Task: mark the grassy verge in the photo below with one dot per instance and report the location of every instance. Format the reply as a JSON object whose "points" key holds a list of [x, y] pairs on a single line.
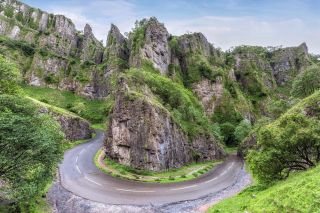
{"points": [[184, 173], [298, 193], [92, 110]]}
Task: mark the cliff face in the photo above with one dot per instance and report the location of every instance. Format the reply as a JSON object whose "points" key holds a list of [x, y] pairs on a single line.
{"points": [[144, 135], [58, 55], [153, 38]]}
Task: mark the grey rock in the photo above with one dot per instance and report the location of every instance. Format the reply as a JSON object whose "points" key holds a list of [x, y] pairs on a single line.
{"points": [[156, 47], [144, 136], [289, 62], [209, 93], [116, 55], [91, 48]]}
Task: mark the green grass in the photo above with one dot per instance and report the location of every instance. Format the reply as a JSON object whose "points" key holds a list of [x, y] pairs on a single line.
{"points": [[92, 110], [299, 193], [188, 172]]}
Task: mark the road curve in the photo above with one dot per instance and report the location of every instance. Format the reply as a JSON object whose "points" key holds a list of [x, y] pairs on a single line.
{"points": [[79, 175]]}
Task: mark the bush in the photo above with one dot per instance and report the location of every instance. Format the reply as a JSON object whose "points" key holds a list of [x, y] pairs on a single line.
{"points": [[171, 178], [242, 131], [27, 48], [30, 148], [292, 143], [8, 77], [306, 83]]}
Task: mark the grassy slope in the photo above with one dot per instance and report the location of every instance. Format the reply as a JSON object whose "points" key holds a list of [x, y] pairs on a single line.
{"points": [[187, 172], [94, 110], [299, 193]]}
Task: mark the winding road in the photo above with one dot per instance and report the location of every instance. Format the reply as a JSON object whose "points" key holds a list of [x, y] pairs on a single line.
{"points": [[79, 175]]}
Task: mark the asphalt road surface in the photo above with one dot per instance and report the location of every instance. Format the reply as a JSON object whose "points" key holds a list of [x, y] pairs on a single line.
{"points": [[79, 175]]}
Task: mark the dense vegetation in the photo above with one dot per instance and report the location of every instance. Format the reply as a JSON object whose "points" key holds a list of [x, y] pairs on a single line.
{"points": [[30, 144], [307, 82]]}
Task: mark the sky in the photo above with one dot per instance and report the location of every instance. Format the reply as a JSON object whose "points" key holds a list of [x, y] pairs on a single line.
{"points": [[225, 23]]}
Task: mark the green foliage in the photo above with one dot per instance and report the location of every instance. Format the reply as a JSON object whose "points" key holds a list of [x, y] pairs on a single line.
{"points": [[9, 11], [30, 148], [27, 48], [137, 36], [307, 82], [95, 110], [289, 144], [242, 131], [227, 130], [277, 107], [174, 46], [200, 68], [51, 78], [8, 77], [299, 193]]}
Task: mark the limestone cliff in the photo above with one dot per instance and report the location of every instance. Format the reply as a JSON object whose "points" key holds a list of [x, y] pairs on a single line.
{"points": [[149, 41], [144, 135]]}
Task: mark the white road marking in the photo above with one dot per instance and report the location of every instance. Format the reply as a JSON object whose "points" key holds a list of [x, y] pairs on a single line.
{"points": [[78, 169], [184, 187], [92, 181], [223, 173], [129, 190], [81, 151], [77, 158], [208, 181]]}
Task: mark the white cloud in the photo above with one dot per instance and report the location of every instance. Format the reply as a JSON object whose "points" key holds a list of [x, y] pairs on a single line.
{"points": [[226, 32], [223, 31], [99, 14]]}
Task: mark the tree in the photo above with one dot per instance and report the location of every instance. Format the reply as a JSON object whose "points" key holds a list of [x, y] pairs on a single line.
{"points": [[227, 130], [242, 131], [306, 83], [292, 143], [30, 148], [8, 77]]}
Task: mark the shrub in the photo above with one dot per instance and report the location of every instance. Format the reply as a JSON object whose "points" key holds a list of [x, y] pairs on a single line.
{"points": [[8, 77], [31, 147], [306, 83], [292, 143], [242, 131]]}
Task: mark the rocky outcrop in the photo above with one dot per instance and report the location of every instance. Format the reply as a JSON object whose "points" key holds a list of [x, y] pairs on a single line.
{"points": [[209, 93], [155, 47], [195, 43], [116, 56], [74, 127], [288, 62], [91, 48], [144, 136]]}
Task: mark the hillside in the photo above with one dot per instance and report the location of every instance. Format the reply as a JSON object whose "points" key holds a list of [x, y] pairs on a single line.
{"points": [[192, 92], [296, 194], [299, 192]]}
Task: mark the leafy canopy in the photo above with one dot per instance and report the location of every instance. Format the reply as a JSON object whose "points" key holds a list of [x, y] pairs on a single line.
{"points": [[30, 148], [306, 83], [292, 143], [8, 77]]}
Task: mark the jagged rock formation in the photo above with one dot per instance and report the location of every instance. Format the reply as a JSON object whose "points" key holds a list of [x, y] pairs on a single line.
{"points": [[116, 54], [145, 136], [154, 46]]}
